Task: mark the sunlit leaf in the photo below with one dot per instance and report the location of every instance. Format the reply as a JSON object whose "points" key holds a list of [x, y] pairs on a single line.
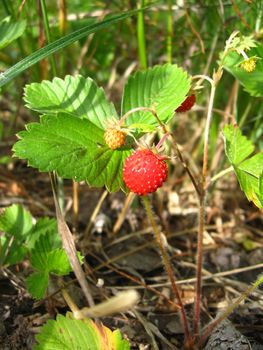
{"points": [[75, 148], [163, 88], [70, 334], [75, 95], [248, 170]]}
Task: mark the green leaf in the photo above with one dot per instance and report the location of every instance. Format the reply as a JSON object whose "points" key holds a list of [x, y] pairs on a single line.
{"points": [[253, 165], [253, 81], [76, 95], [12, 251], [248, 171], [10, 31], [162, 87], [37, 284], [59, 44], [71, 334], [16, 221], [58, 262], [260, 189], [73, 147], [44, 225], [45, 257], [237, 146]]}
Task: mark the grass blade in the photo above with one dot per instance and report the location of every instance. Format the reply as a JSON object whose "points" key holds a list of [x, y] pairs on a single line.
{"points": [[59, 44]]}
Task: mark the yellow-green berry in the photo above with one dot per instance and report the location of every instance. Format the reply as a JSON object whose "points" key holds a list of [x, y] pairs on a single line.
{"points": [[114, 138]]}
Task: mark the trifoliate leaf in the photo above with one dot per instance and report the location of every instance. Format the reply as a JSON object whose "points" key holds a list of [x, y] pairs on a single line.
{"points": [[10, 30], [252, 81], [74, 148], [248, 171], [162, 87], [37, 284], [16, 221], [75, 95], [71, 334]]}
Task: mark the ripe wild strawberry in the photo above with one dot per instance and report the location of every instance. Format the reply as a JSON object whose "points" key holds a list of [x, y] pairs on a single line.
{"points": [[144, 171], [114, 138], [187, 104]]}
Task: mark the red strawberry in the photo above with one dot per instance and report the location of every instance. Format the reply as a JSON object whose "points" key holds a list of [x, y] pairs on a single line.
{"points": [[187, 104], [144, 171]]}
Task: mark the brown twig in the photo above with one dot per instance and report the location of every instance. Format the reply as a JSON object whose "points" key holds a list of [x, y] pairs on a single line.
{"points": [[240, 15], [195, 32]]}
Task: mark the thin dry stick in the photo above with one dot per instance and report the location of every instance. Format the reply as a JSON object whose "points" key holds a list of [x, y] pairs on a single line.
{"points": [[95, 213], [123, 212], [75, 186], [135, 279], [202, 204], [195, 32], [168, 267], [228, 311], [69, 246]]}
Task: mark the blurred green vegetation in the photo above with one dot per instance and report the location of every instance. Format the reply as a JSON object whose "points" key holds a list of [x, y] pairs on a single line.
{"points": [[199, 31]]}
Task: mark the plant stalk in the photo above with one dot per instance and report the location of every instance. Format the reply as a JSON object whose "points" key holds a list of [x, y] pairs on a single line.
{"points": [[222, 173], [167, 266], [141, 36], [169, 39], [202, 205]]}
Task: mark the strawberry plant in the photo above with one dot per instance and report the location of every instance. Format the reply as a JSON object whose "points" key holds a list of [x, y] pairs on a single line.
{"points": [[79, 134]]}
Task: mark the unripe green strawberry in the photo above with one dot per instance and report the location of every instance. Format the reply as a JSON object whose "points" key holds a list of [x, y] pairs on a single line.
{"points": [[114, 138], [144, 171], [187, 104]]}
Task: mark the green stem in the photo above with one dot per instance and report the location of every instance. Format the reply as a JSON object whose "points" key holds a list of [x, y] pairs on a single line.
{"points": [[141, 36], [221, 174], [48, 36], [167, 266], [208, 329], [169, 41], [245, 115]]}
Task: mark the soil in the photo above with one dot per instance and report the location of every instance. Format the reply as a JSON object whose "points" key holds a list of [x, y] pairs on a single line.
{"points": [[131, 259]]}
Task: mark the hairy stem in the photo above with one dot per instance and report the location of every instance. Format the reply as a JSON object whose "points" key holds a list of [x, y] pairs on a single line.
{"points": [[167, 266], [202, 204]]}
